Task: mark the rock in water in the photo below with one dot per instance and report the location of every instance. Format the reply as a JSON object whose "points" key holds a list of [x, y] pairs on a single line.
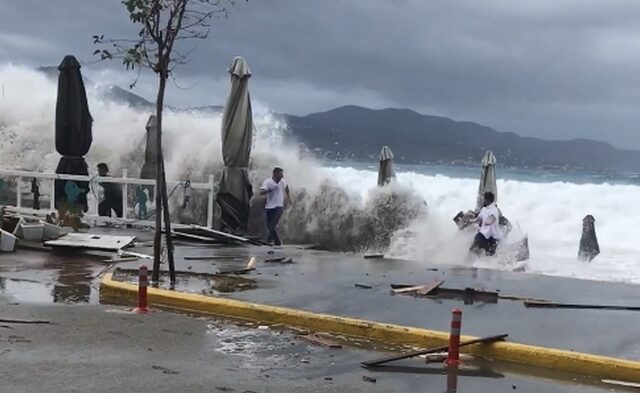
{"points": [[589, 247]]}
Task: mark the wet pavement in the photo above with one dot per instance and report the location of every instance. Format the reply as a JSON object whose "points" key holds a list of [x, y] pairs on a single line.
{"points": [[108, 349], [324, 282], [104, 348]]}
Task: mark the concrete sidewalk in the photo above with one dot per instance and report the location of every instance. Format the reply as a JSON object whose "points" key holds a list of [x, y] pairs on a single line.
{"points": [[107, 349]]}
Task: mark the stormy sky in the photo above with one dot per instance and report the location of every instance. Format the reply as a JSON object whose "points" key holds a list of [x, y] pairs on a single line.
{"points": [[545, 68]]}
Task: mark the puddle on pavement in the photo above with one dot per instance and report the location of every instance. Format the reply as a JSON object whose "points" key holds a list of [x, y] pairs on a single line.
{"points": [[202, 283], [40, 278]]}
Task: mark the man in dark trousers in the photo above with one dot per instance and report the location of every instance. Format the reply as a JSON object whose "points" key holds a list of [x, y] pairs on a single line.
{"points": [[275, 188], [112, 195]]}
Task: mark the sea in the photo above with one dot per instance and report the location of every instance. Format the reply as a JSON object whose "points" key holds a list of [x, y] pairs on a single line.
{"points": [[547, 206]]}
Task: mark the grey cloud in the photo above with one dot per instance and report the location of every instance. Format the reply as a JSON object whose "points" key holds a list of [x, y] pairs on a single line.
{"points": [[555, 69]]}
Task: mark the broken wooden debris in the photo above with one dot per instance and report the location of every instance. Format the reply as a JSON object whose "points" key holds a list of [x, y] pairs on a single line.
{"points": [[537, 304], [421, 290], [484, 340], [476, 294], [363, 286], [430, 370], [319, 340], [373, 256], [200, 233], [369, 379], [441, 357], [23, 321], [621, 383]]}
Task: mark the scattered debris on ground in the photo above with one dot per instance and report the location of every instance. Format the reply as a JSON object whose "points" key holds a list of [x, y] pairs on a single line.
{"points": [[484, 340], [363, 286], [419, 290]]}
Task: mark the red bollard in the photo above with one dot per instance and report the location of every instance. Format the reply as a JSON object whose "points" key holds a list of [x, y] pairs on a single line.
{"points": [[454, 337], [143, 283]]}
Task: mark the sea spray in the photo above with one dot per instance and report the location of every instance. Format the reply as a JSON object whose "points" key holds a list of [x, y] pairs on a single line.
{"points": [[328, 199]]}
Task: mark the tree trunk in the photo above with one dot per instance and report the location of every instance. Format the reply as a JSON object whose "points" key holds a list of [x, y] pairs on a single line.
{"points": [[157, 238], [167, 225]]}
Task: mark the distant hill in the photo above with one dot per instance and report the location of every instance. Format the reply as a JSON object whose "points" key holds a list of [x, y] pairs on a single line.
{"points": [[352, 132], [357, 133]]}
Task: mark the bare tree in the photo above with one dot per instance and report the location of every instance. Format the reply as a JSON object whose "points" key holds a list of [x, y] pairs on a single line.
{"points": [[162, 23]]}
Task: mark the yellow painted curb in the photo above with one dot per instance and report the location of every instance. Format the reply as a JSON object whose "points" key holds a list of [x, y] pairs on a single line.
{"points": [[574, 362]]}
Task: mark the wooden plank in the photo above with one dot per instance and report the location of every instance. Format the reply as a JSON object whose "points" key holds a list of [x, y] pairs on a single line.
{"points": [[536, 304], [319, 340], [23, 321], [432, 287], [484, 340], [363, 286], [453, 292], [425, 288]]}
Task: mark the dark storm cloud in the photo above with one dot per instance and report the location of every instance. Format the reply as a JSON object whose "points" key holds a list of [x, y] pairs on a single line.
{"points": [[555, 69]]}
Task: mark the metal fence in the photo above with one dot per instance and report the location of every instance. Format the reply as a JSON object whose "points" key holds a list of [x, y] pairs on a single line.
{"points": [[20, 177]]}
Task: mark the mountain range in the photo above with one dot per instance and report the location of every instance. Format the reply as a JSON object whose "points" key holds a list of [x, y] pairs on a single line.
{"points": [[357, 133]]}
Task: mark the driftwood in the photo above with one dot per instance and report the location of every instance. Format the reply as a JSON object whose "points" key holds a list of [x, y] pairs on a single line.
{"points": [[484, 340]]}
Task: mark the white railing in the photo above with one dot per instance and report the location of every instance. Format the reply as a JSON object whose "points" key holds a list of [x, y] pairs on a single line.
{"points": [[125, 180]]}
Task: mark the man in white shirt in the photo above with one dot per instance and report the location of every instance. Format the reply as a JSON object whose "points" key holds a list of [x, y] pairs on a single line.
{"points": [[275, 188], [489, 231]]}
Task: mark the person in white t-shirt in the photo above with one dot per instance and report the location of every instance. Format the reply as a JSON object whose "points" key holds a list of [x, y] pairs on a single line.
{"points": [[276, 189], [489, 231]]}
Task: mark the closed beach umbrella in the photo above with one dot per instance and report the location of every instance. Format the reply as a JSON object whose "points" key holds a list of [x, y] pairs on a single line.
{"points": [[150, 152], [73, 133], [386, 170], [487, 179], [235, 192]]}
